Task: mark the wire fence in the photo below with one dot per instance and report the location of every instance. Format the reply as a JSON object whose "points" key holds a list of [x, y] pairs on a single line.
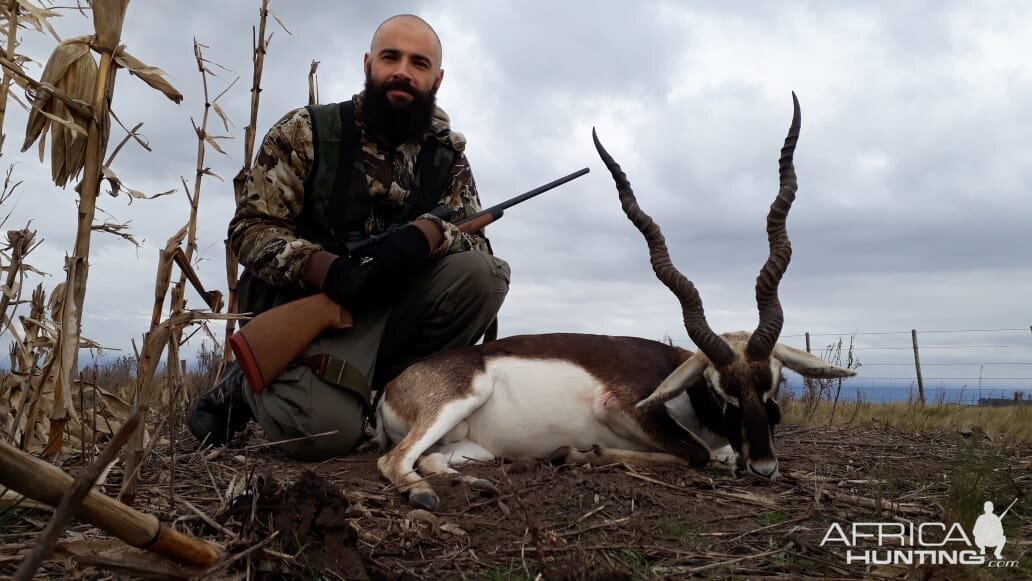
{"points": [[967, 366]]}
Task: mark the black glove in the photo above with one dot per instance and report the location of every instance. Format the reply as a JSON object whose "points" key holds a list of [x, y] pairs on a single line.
{"points": [[379, 272]]}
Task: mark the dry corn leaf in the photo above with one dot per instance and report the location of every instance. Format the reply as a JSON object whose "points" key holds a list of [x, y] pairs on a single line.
{"points": [[56, 301], [71, 125], [280, 22], [153, 76], [33, 269], [115, 556], [12, 291], [62, 379], [38, 17], [221, 114], [120, 230], [207, 171], [175, 241], [115, 405], [117, 186], [213, 142], [142, 196], [18, 100]]}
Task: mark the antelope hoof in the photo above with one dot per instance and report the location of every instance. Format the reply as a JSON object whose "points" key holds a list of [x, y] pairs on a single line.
{"points": [[425, 499], [764, 469]]}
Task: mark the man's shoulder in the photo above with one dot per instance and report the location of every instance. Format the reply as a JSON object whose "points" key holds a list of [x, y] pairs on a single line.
{"points": [[294, 117], [294, 127], [440, 125]]}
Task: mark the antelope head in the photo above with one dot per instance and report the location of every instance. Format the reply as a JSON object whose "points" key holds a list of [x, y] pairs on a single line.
{"points": [[741, 370]]}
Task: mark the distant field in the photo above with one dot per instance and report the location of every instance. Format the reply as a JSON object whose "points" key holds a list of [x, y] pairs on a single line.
{"points": [[1011, 423]]}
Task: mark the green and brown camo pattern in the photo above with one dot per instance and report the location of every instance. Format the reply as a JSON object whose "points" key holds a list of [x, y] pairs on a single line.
{"points": [[262, 232]]}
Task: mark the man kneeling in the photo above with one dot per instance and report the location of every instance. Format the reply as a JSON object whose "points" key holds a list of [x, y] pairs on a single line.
{"points": [[325, 176]]}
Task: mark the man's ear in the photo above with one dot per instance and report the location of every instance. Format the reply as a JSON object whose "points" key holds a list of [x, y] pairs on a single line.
{"points": [[440, 77], [365, 61]]}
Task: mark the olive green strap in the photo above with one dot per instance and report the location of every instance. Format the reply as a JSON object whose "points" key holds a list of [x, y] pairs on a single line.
{"points": [[338, 372]]}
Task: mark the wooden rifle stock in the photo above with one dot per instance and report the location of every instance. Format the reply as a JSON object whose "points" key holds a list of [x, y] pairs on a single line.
{"points": [[477, 223], [267, 345]]}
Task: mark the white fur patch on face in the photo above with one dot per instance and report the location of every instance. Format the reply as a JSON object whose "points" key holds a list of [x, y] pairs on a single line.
{"points": [[775, 381], [713, 379], [681, 411]]}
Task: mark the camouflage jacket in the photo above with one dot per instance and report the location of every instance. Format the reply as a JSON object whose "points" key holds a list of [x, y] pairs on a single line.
{"points": [[262, 232]]}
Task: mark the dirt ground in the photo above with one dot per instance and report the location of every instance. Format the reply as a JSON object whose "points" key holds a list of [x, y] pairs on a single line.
{"points": [[339, 519]]}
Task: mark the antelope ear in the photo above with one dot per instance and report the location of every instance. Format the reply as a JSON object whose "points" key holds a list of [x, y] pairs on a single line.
{"points": [[679, 379], [809, 365]]}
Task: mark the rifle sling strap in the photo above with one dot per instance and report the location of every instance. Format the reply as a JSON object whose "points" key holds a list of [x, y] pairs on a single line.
{"points": [[338, 372]]}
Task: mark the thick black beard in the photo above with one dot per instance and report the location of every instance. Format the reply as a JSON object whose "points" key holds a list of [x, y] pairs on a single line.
{"points": [[396, 125]]}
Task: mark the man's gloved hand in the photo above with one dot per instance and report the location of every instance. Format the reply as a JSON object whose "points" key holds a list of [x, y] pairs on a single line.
{"points": [[380, 271]]}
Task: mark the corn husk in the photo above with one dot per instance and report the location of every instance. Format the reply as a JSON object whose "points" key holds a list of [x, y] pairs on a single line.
{"points": [[71, 70]]}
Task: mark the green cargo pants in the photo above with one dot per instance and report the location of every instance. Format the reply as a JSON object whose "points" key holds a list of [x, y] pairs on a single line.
{"points": [[450, 306]]}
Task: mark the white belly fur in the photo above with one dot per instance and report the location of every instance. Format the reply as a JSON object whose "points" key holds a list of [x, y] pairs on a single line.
{"points": [[537, 406]]}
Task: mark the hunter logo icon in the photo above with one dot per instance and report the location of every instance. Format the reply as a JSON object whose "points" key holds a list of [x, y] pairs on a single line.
{"points": [[988, 530]]}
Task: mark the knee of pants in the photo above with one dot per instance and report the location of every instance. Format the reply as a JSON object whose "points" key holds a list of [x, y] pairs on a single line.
{"points": [[342, 422], [483, 278]]}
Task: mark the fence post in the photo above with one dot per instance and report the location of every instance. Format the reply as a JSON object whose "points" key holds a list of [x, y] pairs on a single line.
{"points": [[917, 366], [807, 382]]}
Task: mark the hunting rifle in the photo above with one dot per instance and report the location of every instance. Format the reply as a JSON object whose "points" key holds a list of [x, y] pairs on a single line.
{"points": [[271, 341]]}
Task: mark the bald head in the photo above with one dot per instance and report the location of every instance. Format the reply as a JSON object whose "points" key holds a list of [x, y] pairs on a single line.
{"points": [[412, 25], [403, 73]]}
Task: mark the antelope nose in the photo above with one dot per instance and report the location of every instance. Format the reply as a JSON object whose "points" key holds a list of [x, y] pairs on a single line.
{"points": [[766, 467]]}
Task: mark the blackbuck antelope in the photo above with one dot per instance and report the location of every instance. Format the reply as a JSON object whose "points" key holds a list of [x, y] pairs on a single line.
{"points": [[589, 398]]}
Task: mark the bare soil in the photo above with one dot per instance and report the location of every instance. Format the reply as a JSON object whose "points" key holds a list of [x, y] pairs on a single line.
{"points": [[277, 518]]}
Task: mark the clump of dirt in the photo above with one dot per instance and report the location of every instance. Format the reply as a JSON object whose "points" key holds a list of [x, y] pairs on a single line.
{"points": [[310, 518]]}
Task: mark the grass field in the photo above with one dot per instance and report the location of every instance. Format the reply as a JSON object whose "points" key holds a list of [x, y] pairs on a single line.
{"points": [[1010, 423]]}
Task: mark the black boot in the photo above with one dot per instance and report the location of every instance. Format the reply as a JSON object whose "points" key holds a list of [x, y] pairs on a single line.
{"points": [[219, 413]]}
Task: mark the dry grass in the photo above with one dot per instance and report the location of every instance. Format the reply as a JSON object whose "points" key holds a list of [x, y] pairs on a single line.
{"points": [[1011, 423]]}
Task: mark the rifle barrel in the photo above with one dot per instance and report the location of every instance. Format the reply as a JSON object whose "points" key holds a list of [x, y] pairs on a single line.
{"points": [[497, 209]]}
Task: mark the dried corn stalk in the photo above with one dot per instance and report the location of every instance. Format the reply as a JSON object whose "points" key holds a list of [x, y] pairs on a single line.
{"points": [[185, 258], [259, 44], [72, 75], [26, 353], [154, 343]]}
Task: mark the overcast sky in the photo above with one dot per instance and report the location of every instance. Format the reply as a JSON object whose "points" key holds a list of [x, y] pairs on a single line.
{"points": [[914, 161]]}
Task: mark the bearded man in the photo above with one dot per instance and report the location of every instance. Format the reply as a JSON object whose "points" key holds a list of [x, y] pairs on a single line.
{"points": [[330, 174]]}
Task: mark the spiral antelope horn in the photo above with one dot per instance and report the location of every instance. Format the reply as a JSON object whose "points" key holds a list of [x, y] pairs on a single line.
{"points": [[718, 351], [761, 343]]}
